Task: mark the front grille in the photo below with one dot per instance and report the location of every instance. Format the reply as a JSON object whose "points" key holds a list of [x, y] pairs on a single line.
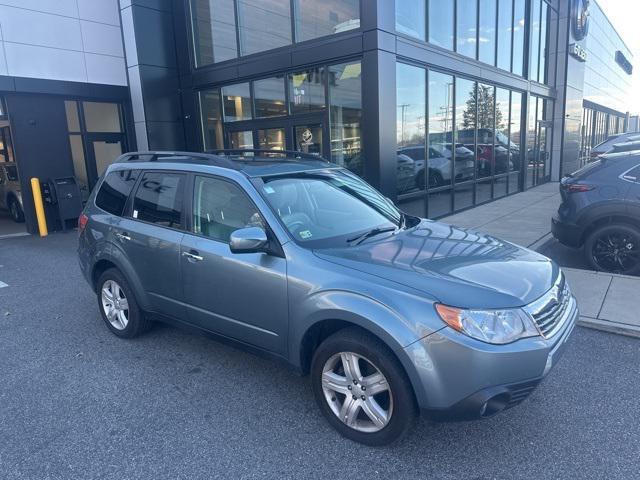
{"points": [[552, 309]]}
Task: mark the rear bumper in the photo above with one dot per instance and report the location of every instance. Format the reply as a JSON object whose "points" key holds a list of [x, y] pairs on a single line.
{"points": [[566, 233]]}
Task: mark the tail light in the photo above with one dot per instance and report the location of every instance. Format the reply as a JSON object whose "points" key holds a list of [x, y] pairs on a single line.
{"points": [[82, 222], [577, 187]]}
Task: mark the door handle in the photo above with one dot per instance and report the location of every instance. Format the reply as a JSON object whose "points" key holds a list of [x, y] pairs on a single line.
{"points": [[193, 255], [123, 236]]}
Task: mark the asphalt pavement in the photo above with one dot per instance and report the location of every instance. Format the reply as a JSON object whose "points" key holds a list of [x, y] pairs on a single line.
{"points": [[77, 402]]}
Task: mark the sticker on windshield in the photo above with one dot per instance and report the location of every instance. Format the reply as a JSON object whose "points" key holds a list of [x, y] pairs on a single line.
{"points": [[305, 234], [268, 189]]}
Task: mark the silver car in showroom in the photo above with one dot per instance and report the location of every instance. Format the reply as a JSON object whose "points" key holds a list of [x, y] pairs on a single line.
{"points": [[298, 259]]}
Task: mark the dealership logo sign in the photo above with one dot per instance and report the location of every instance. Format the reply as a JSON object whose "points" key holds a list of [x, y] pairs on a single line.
{"points": [[580, 18], [578, 52]]}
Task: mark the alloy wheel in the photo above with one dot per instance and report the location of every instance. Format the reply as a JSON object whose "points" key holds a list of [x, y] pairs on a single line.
{"points": [[115, 304], [617, 252], [357, 392]]}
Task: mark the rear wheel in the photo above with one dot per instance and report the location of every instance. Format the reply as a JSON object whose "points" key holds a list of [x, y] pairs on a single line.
{"points": [[362, 389], [118, 306], [16, 211], [614, 248]]}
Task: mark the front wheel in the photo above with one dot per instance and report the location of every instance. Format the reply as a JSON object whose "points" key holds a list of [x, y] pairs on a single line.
{"points": [[362, 389], [614, 248]]}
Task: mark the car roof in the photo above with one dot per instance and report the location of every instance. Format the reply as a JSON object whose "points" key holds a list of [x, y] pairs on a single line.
{"points": [[250, 162]]}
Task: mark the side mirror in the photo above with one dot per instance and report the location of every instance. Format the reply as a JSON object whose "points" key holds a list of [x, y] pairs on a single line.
{"points": [[248, 240]]}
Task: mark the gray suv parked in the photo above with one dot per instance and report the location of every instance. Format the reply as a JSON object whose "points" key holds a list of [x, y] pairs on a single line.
{"points": [[297, 258]]}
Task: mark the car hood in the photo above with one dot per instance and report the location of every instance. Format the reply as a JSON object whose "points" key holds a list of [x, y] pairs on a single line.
{"points": [[455, 266]]}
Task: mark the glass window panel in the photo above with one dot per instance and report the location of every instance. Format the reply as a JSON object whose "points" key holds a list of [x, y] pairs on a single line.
{"points": [[269, 98], [505, 19], [410, 128], [159, 199], [500, 187], [534, 49], [501, 147], [115, 189], [102, 117], [308, 139], [105, 153], [439, 203], [73, 120], [440, 164], [220, 208], [410, 17], [487, 32], [441, 23], [466, 28], [306, 91], [263, 25], [345, 93], [466, 124], [271, 139], [519, 8], [79, 165], [236, 101], [463, 197], [211, 119], [483, 191], [542, 75], [486, 129], [514, 135], [316, 19], [214, 31], [240, 140], [531, 140]]}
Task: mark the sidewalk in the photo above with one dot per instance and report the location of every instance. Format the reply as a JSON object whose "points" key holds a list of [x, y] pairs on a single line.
{"points": [[607, 302]]}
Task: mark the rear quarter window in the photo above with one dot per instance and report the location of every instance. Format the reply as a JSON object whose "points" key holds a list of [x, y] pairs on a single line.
{"points": [[115, 190]]}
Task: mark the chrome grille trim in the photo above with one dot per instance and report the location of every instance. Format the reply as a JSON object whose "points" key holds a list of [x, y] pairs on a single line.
{"points": [[553, 309]]}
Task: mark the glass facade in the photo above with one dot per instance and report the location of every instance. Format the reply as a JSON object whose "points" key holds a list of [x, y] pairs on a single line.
{"points": [[597, 126], [317, 110], [458, 141], [227, 29], [491, 31]]}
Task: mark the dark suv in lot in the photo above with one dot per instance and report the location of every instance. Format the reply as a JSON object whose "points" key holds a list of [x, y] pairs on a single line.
{"points": [[301, 260], [600, 212]]}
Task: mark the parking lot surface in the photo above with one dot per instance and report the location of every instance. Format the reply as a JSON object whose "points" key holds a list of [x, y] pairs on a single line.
{"points": [[77, 402]]}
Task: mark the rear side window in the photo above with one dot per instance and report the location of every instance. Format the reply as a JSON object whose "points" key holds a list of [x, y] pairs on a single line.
{"points": [[115, 190], [159, 199]]}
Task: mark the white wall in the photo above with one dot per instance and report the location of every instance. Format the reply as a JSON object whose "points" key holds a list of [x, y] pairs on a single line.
{"points": [[73, 40]]}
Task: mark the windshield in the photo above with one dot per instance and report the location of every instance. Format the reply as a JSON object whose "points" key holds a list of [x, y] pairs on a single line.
{"points": [[327, 208]]}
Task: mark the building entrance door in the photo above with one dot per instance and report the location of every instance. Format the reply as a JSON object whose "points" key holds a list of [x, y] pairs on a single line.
{"points": [[102, 150], [539, 170]]}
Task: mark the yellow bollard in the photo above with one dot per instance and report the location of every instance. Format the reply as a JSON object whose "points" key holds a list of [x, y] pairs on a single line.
{"points": [[37, 200]]}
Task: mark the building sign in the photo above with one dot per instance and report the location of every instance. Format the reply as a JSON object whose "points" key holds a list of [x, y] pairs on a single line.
{"points": [[580, 18], [624, 63], [577, 52]]}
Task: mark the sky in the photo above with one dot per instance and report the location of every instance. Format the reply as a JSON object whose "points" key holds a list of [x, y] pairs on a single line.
{"points": [[624, 15]]}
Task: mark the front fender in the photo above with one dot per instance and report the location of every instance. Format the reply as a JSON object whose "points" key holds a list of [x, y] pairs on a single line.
{"points": [[363, 311]]}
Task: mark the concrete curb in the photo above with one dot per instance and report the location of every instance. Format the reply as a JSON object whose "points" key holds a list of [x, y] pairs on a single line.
{"points": [[610, 327]]}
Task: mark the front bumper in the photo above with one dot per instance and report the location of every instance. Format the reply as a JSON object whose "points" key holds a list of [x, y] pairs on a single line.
{"points": [[462, 379]]}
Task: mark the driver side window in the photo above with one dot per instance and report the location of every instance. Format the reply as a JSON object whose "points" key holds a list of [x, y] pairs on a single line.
{"points": [[220, 207]]}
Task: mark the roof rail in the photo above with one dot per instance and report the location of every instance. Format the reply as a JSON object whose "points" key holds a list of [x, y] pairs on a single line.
{"points": [[266, 153], [626, 147], [192, 157]]}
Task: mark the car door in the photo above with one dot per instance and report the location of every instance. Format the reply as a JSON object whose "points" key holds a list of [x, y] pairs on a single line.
{"points": [[241, 296], [150, 235]]}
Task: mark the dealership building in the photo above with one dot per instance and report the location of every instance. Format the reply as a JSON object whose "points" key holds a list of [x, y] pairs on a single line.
{"points": [[440, 104]]}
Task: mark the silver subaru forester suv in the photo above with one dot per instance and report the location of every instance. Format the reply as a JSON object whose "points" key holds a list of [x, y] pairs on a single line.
{"points": [[297, 258]]}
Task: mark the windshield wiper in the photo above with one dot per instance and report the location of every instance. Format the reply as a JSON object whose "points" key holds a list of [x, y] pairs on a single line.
{"points": [[371, 233]]}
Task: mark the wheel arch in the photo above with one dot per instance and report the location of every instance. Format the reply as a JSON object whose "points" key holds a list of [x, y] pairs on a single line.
{"points": [[105, 262], [598, 221]]}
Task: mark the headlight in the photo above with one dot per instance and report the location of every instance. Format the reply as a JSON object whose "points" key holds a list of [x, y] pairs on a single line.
{"points": [[491, 326]]}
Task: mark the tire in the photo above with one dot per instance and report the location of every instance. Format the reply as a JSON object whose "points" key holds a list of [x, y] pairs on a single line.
{"points": [[614, 248], [395, 407], [124, 322], [435, 179], [16, 211]]}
